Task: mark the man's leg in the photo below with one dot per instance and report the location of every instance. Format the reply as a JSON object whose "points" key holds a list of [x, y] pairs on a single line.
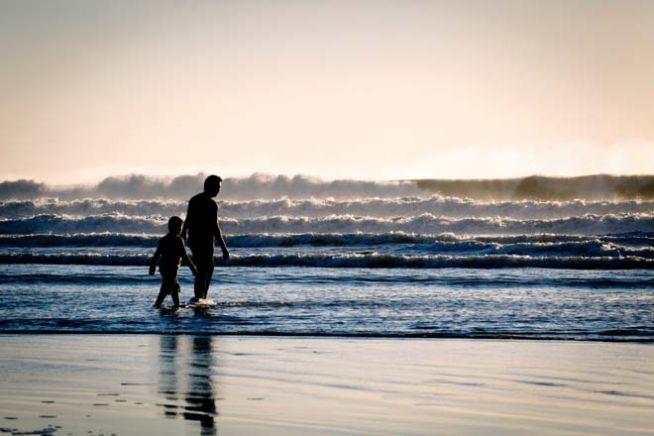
{"points": [[198, 285], [203, 260], [208, 276]]}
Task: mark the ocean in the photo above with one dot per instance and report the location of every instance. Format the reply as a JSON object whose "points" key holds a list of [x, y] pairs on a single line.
{"points": [[341, 259]]}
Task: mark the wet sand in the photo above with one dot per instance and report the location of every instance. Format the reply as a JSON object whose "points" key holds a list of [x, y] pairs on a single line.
{"points": [[203, 385]]}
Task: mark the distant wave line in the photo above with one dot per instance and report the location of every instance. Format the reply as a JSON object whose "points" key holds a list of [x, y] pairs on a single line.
{"points": [[317, 239], [356, 260], [91, 278], [563, 245]]}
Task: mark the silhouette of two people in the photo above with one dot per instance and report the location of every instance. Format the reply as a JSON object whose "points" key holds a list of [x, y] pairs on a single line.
{"points": [[200, 229]]}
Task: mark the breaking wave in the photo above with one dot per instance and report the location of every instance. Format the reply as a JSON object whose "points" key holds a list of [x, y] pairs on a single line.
{"points": [[426, 223], [376, 207], [571, 245]]}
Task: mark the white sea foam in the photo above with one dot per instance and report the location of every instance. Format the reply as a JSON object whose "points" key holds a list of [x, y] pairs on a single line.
{"points": [[374, 207], [425, 223]]}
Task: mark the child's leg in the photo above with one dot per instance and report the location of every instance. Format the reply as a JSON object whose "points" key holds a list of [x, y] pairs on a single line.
{"points": [[160, 297], [167, 283], [175, 293]]}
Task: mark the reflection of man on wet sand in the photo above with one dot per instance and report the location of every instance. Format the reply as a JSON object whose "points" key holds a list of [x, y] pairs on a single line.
{"points": [[201, 226]]}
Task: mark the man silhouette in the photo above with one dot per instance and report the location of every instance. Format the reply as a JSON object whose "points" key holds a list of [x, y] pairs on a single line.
{"points": [[201, 227]]}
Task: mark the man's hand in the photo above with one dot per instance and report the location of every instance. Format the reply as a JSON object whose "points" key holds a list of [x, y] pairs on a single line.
{"points": [[152, 269], [225, 255], [194, 270]]}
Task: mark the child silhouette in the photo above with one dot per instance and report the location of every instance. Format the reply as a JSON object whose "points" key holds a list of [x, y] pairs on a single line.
{"points": [[170, 252]]}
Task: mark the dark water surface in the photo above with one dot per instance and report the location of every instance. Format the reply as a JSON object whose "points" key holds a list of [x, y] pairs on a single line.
{"points": [[450, 302]]}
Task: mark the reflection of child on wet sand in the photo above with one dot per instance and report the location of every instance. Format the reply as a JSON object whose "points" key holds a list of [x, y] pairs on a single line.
{"points": [[171, 251]]}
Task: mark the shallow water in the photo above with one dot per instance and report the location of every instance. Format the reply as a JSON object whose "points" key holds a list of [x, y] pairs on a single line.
{"points": [[458, 302]]}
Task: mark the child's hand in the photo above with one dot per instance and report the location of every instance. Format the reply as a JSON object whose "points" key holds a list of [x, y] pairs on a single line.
{"points": [[152, 269], [194, 270]]}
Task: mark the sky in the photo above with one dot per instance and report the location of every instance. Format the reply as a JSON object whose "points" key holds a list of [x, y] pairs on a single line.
{"points": [[334, 89]]}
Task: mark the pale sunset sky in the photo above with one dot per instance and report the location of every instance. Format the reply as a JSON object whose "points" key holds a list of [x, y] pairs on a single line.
{"points": [[335, 89]]}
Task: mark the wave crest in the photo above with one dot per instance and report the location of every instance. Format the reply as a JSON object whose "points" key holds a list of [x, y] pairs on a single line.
{"points": [[376, 207], [421, 224]]}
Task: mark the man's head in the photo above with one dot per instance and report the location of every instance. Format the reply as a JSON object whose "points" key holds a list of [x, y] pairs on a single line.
{"points": [[212, 185], [175, 225]]}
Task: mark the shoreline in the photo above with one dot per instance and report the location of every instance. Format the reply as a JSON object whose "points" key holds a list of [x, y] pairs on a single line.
{"points": [[355, 336], [205, 384]]}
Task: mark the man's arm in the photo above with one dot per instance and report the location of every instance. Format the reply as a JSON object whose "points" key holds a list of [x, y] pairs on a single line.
{"points": [[186, 221], [221, 242], [218, 234]]}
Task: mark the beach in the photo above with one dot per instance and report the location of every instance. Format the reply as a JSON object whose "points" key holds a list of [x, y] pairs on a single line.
{"points": [[409, 314], [193, 384]]}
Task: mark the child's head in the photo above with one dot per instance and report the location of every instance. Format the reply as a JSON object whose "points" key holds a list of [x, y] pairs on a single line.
{"points": [[175, 225]]}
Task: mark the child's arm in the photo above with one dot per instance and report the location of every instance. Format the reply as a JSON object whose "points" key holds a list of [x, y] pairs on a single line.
{"points": [[155, 258]]}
